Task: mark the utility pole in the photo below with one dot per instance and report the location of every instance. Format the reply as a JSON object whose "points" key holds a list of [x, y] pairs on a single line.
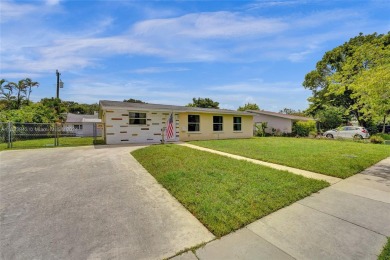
{"points": [[58, 83]]}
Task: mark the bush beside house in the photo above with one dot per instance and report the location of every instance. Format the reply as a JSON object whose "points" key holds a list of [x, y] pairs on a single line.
{"points": [[304, 128]]}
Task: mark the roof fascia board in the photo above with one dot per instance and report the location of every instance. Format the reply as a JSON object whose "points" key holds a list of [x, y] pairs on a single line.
{"points": [[170, 110], [282, 116]]}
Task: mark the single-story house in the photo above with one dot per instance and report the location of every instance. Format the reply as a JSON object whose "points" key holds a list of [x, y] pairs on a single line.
{"points": [[82, 125], [280, 122], [126, 122]]}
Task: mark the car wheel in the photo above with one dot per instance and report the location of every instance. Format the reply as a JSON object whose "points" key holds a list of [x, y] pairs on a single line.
{"points": [[329, 136], [358, 137]]}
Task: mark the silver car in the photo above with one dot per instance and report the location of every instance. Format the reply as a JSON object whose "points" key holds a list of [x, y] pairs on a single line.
{"points": [[355, 132]]}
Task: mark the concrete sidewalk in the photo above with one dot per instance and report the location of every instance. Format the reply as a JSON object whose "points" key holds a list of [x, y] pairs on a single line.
{"points": [[348, 220]]}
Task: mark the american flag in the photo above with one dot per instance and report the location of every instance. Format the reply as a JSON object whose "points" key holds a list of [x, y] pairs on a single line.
{"points": [[169, 132]]}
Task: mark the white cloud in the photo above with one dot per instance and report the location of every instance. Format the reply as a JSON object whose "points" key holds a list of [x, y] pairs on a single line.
{"points": [[267, 4], [19, 75], [86, 89], [210, 25], [14, 11], [150, 70], [52, 2], [259, 87], [195, 37], [11, 11]]}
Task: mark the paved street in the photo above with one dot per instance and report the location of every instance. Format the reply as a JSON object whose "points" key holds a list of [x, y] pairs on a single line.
{"points": [[88, 203]]}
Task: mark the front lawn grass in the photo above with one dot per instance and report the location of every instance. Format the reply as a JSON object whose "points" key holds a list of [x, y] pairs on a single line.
{"points": [[49, 142], [330, 157], [223, 193]]}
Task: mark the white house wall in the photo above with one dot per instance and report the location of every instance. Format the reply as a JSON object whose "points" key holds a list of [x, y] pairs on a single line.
{"points": [[119, 131], [282, 124]]}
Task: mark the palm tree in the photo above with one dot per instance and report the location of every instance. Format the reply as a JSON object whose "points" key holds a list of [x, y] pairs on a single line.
{"points": [[21, 89], [2, 81], [30, 84], [6, 93]]}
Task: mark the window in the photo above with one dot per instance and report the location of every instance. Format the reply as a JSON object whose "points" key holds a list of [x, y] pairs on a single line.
{"points": [[137, 118], [78, 127], [193, 123], [217, 123], [236, 123]]}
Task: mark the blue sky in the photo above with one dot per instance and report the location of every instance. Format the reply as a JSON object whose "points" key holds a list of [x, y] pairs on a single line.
{"points": [[168, 52]]}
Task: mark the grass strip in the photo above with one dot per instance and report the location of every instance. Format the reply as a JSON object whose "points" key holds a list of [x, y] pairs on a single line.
{"points": [[49, 142], [385, 255], [330, 157], [223, 193]]}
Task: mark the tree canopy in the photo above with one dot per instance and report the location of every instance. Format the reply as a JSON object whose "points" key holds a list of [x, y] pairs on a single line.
{"points": [[290, 111], [330, 117], [248, 106], [132, 100], [15, 104], [204, 103], [354, 76], [13, 94], [33, 113]]}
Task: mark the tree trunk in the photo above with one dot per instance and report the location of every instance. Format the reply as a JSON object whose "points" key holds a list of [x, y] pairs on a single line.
{"points": [[360, 120], [384, 124], [18, 100], [28, 97]]}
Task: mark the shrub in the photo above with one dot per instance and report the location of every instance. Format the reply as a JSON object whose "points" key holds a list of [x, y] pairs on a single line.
{"points": [[384, 136], [260, 128], [313, 134], [303, 128], [376, 139]]}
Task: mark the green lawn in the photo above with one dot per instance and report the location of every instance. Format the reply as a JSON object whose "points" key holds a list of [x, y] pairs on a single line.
{"points": [[49, 142], [331, 157], [385, 255], [223, 193]]}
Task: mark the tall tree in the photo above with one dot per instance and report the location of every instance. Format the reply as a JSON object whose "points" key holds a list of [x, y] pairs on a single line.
{"points": [[132, 100], [372, 88], [332, 80], [21, 91], [6, 97], [33, 113], [2, 82], [330, 117], [248, 106], [30, 84], [290, 111], [203, 102]]}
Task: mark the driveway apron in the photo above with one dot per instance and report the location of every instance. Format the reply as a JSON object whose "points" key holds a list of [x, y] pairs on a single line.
{"points": [[88, 203]]}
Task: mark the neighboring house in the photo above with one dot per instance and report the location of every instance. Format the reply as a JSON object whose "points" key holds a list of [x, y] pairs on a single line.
{"points": [[143, 123], [278, 121], [82, 125]]}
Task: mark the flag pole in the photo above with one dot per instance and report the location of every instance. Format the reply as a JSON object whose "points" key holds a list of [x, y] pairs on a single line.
{"points": [[162, 134]]}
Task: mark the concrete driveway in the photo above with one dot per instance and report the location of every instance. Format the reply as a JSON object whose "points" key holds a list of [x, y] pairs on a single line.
{"points": [[88, 203]]}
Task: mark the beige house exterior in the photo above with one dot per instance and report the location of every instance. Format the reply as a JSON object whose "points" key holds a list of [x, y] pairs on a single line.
{"points": [[278, 121], [206, 131], [126, 122]]}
